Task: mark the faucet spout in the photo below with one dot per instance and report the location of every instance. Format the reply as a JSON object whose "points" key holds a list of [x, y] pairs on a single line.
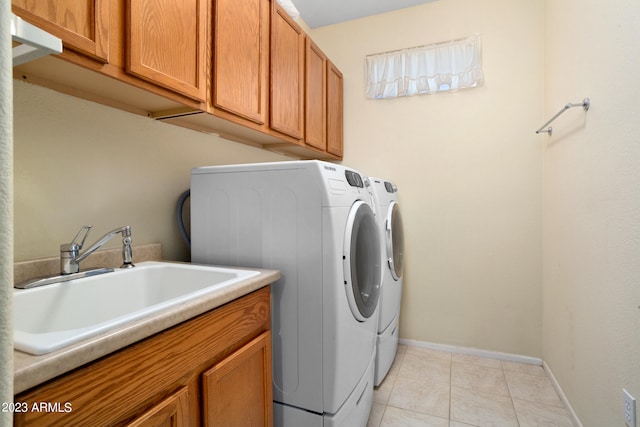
{"points": [[70, 256]]}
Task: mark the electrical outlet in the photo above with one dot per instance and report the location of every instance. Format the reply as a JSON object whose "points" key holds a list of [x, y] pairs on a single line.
{"points": [[629, 409]]}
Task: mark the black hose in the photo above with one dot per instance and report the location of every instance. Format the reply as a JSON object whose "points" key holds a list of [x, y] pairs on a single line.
{"points": [[180, 206]]}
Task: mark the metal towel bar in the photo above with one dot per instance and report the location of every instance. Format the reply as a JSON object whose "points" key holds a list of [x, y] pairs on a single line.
{"points": [[585, 104]]}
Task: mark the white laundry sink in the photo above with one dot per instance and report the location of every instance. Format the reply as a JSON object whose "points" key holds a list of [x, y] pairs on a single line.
{"points": [[52, 317]]}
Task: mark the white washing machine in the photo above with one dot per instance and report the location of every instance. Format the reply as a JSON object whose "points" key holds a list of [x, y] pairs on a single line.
{"points": [[314, 221], [392, 260]]}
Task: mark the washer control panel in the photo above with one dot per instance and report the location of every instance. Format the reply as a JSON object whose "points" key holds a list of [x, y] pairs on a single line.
{"points": [[391, 188], [354, 179]]}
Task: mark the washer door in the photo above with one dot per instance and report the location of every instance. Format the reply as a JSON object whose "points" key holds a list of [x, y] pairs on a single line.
{"points": [[395, 241], [362, 261]]}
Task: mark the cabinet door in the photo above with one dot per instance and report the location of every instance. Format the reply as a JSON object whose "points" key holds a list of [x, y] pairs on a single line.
{"points": [[334, 110], [241, 57], [83, 26], [237, 391], [315, 97], [287, 74], [171, 412], [167, 44]]}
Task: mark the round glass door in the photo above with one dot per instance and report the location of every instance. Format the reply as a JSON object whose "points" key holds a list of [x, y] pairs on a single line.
{"points": [[395, 241], [362, 261]]}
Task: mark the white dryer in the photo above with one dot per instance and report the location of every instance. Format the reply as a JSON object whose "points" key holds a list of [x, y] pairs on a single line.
{"points": [[392, 260], [314, 222]]}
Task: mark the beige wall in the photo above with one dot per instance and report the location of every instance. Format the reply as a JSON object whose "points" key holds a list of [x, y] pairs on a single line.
{"points": [[77, 162], [468, 167], [467, 164], [592, 205], [470, 171]]}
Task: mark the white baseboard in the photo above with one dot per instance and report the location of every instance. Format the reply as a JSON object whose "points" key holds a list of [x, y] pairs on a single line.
{"points": [[574, 418], [509, 357]]}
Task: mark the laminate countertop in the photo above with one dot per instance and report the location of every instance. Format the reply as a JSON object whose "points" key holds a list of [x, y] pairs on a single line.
{"points": [[30, 370]]}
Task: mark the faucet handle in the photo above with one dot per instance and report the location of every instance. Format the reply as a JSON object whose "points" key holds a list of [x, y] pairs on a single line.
{"points": [[70, 251], [74, 245]]}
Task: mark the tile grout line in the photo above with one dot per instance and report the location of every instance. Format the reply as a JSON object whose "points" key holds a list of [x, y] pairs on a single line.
{"points": [[393, 384], [504, 375], [450, 385], [513, 405]]}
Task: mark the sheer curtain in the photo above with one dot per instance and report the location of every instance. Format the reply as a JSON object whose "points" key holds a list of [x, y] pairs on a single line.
{"points": [[426, 69]]}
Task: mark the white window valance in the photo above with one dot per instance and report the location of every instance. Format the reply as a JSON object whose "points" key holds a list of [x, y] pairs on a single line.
{"points": [[426, 69]]}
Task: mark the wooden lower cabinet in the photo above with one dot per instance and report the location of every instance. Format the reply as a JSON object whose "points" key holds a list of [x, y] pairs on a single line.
{"points": [[213, 370], [172, 411], [237, 391]]}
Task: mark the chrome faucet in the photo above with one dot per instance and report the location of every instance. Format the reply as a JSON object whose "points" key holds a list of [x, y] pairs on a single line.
{"points": [[70, 255]]}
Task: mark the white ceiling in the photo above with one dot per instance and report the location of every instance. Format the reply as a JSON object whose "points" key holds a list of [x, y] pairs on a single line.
{"points": [[318, 13]]}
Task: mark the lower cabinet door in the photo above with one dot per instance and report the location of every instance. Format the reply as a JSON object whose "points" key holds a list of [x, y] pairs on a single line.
{"points": [[171, 412], [237, 391]]}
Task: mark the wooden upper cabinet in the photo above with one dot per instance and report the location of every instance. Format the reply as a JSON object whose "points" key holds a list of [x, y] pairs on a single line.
{"points": [[287, 74], [334, 110], [167, 44], [315, 97], [241, 57], [246, 63], [83, 26]]}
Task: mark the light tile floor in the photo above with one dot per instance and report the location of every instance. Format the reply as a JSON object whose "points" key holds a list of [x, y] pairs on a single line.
{"points": [[435, 388]]}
